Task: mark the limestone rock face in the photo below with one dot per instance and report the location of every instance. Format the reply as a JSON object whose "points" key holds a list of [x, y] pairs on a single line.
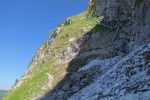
{"points": [[127, 79], [132, 17]]}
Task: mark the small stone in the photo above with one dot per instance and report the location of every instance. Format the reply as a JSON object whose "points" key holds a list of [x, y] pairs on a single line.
{"points": [[123, 17], [66, 87], [75, 89], [107, 91]]}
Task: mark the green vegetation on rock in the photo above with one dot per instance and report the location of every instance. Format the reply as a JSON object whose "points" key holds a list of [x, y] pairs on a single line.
{"points": [[80, 26], [91, 8], [36, 82], [51, 33]]}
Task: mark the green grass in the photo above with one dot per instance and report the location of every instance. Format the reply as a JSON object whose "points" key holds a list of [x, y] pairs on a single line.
{"points": [[32, 87], [51, 33], [100, 29]]}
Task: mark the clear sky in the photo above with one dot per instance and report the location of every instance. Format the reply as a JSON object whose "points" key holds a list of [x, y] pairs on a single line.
{"points": [[24, 26]]}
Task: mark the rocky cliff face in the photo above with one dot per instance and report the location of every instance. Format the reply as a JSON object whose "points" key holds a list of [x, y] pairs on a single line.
{"points": [[132, 16], [128, 79], [101, 54]]}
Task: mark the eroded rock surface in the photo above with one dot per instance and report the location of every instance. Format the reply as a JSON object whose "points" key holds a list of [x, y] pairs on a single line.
{"points": [[128, 79]]}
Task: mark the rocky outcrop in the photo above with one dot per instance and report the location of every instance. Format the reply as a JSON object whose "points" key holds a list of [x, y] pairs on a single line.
{"points": [[119, 78], [128, 79], [132, 16]]}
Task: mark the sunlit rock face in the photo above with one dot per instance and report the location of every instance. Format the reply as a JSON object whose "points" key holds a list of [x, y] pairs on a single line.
{"points": [[131, 15], [112, 9]]}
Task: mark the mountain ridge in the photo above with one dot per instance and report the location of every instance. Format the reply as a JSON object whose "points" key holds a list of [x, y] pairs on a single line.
{"points": [[111, 35]]}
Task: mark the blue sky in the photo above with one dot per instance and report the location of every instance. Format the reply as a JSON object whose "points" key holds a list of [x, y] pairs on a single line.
{"points": [[24, 26]]}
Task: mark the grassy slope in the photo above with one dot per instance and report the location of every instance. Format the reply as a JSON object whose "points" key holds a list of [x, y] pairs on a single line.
{"points": [[32, 86], [77, 29]]}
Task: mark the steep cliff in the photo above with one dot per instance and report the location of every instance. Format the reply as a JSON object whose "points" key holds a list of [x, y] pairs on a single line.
{"points": [[100, 54]]}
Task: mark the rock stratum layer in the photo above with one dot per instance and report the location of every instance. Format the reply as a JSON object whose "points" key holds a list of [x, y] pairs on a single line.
{"points": [[100, 54]]}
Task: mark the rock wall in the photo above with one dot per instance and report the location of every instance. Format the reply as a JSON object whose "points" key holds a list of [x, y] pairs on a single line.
{"points": [[128, 79], [131, 15]]}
